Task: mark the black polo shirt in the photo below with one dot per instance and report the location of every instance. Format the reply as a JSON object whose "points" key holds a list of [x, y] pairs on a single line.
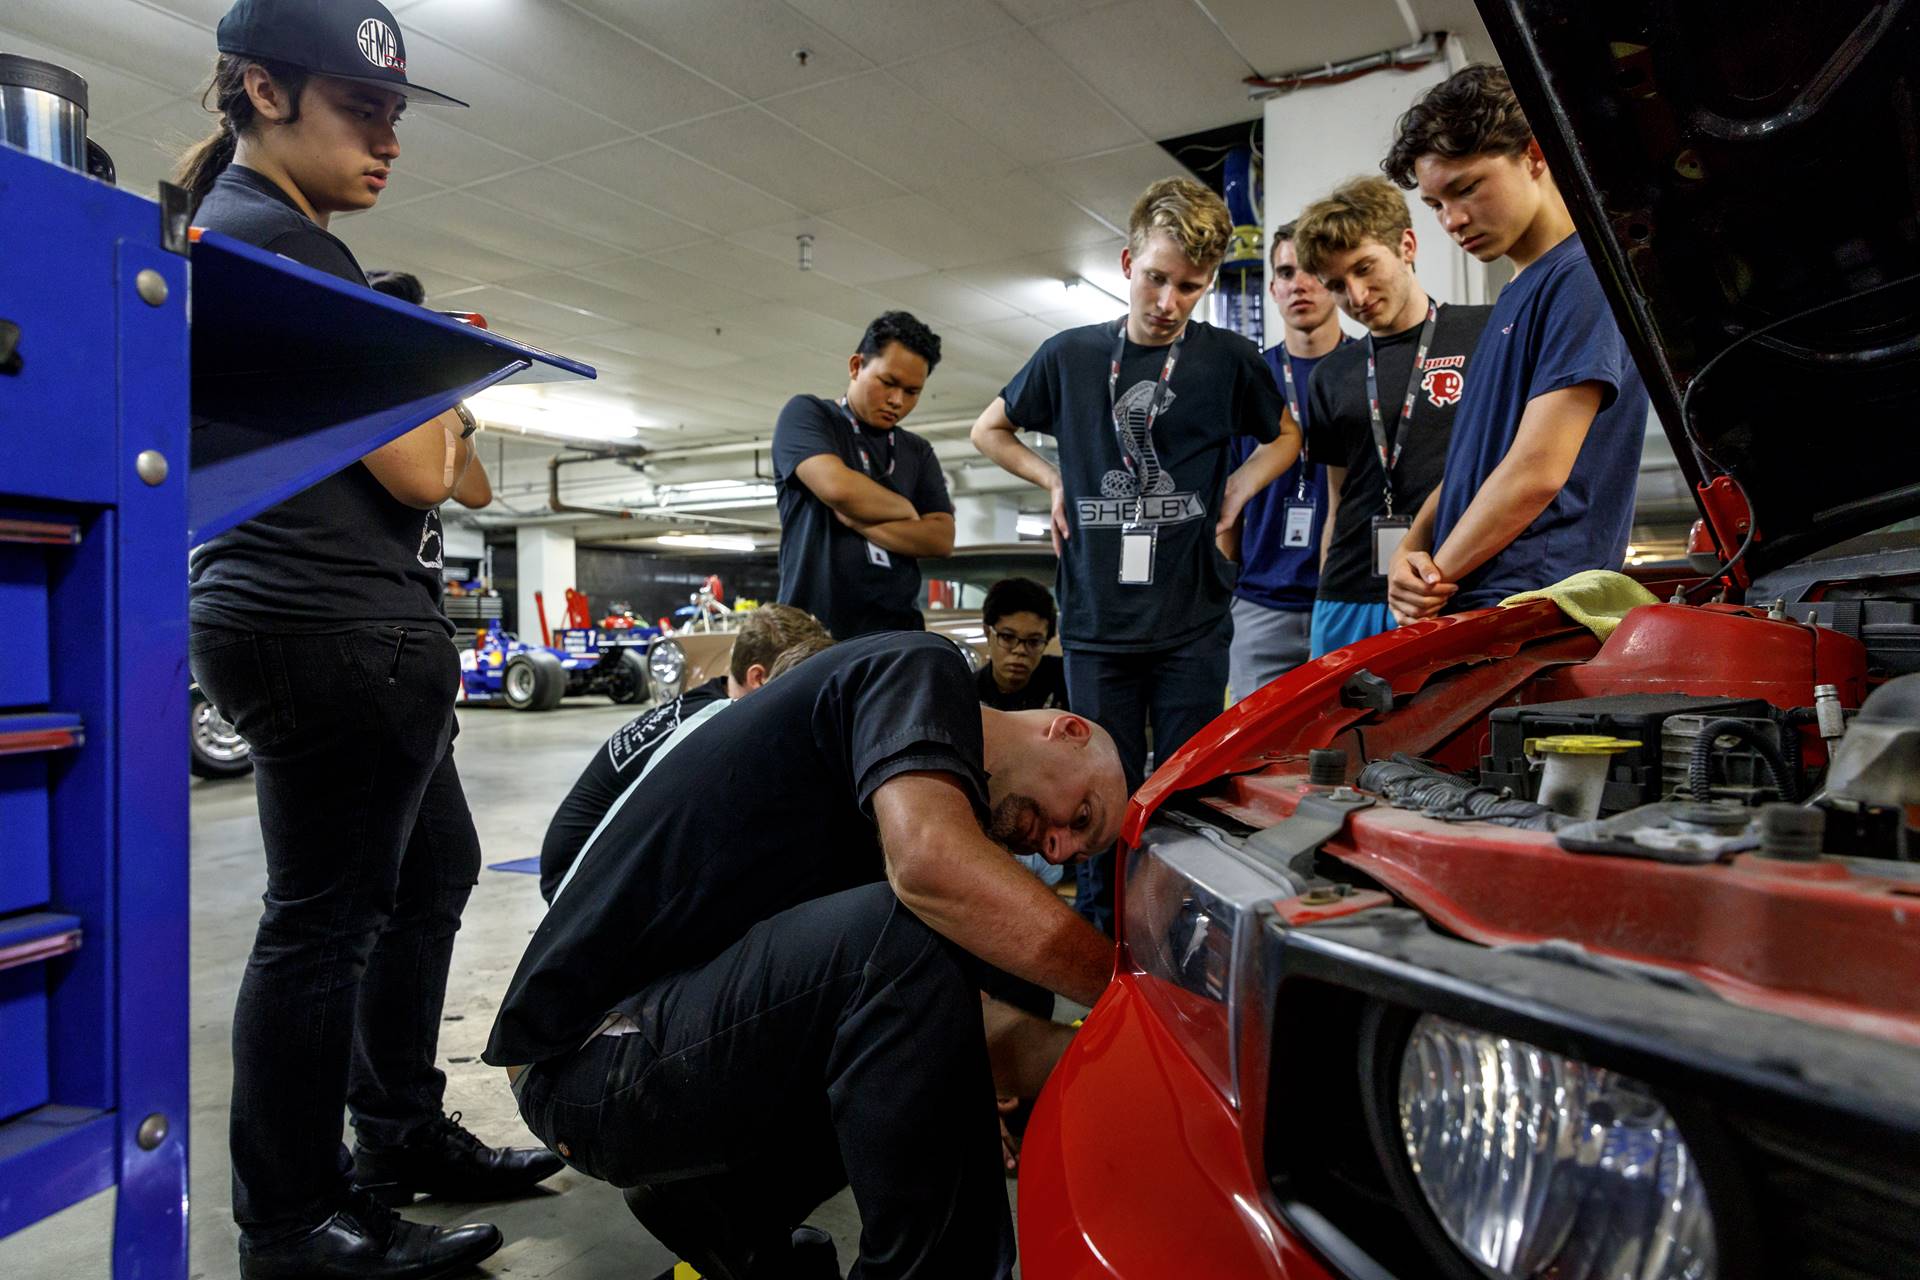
{"points": [[344, 553], [1046, 689], [763, 807], [825, 567]]}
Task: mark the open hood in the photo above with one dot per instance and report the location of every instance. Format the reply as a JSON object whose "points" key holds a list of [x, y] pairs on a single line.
{"points": [[1731, 168]]}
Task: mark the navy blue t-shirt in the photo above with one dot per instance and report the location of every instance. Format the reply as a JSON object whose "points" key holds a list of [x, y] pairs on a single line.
{"points": [[1221, 389], [1272, 574], [1550, 329]]}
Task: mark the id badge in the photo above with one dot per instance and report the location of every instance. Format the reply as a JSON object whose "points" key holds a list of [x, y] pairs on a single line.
{"points": [[1388, 533], [877, 557], [1136, 554], [1298, 528]]}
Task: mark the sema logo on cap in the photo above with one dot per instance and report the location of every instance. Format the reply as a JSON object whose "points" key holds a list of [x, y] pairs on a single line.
{"points": [[380, 46]]}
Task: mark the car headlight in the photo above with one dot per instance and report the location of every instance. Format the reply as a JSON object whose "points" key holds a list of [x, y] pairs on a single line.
{"points": [[667, 662], [1539, 1165]]}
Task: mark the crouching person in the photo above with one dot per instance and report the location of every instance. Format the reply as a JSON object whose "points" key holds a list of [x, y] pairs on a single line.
{"points": [[763, 983]]}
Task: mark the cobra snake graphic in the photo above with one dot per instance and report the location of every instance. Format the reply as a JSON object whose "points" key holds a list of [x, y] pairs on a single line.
{"points": [[1131, 410]]}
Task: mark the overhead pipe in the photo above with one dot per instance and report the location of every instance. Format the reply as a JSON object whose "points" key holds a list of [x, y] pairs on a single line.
{"points": [[1425, 50]]}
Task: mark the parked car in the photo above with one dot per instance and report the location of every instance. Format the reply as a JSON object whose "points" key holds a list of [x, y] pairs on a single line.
{"points": [[957, 584], [215, 749], [499, 666], [1383, 1007], [699, 647]]}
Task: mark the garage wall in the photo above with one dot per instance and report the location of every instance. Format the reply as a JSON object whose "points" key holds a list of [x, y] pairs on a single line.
{"points": [[655, 585]]}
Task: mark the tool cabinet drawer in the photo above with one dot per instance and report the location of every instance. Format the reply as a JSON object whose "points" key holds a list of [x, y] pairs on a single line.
{"points": [[23, 1039], [25, 642]]}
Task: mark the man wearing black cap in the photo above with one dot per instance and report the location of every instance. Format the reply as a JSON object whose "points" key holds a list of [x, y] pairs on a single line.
{"points": [[317, 628]]}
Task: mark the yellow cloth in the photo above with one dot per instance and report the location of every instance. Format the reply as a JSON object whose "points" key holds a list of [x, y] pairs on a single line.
{"points": [[1596, 599]]}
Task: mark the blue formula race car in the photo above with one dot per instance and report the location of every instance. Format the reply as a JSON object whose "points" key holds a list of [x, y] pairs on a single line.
{"points": [[500, 667]]}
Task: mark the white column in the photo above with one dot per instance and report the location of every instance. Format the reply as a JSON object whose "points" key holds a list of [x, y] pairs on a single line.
{"points": [[985, 517], [546, 566]]}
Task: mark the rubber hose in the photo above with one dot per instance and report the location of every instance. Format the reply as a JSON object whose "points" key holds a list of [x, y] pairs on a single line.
{"points": [[1410, 783], [1699, 779]]}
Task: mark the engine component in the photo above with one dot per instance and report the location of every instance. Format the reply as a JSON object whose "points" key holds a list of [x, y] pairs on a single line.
{"points": [[1575, 770], [1408, 783], [1878, 761], [1791, 833], [1683, 831], [1828, 713], [1748, 754], [1327, 767], [1634, 778]]}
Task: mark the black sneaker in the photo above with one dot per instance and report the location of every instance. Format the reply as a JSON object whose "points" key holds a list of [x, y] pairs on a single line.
{"points": [[444, 1160], [365, 1240]]}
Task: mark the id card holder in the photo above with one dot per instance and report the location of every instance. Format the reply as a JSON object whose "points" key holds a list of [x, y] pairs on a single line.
{"points": [[1136, 554], [1297, 527], [877, 556], [1388, 533]]}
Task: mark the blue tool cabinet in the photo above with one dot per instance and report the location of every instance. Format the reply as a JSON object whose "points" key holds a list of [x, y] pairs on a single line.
{"points": [[131, 426]]}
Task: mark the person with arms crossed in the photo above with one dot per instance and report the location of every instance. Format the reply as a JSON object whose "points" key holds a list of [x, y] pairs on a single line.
{"points": [[1541, 473], [1381, 410], [1143, 409], [861, 498], [1277, 542], [316, 628], [733, 1028]]}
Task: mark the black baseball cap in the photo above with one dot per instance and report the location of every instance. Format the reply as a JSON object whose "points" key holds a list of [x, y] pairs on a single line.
{"points": [[347, 39]]}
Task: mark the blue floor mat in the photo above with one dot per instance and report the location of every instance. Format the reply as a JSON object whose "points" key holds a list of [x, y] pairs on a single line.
{"points": [[529, 865]]}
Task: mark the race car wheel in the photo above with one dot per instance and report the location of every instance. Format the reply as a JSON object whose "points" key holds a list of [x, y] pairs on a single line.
{"points": [[216, 750], [533, 682], [627, 678]]}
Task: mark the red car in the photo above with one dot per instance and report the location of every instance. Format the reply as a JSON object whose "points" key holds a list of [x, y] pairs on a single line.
{"points": [[1387, 1006]]}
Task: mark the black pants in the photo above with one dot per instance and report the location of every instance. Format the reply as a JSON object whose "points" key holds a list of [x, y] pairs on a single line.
{"points": [[837, 1043], [370, 856], [1179, 691]]}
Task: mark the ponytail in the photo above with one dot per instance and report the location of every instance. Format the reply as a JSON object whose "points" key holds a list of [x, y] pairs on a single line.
{"points": [[227, 97]]}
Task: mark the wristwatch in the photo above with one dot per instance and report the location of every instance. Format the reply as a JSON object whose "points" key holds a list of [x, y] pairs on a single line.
{"points": [[466, 416]]}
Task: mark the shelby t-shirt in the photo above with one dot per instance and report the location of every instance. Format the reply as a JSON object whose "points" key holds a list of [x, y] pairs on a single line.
{"points": [[1274, 575], [1340, 434], [344, 553], [612, 770], [1551, 328], [1045, 690], [713, 840], [825, 567], [1220, 389]]}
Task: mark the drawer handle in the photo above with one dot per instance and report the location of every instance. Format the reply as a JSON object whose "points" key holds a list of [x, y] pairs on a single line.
{"points": [[49, 533], [40, 936], [26, 734]]}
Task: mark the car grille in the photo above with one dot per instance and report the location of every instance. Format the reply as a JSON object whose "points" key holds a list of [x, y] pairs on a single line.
{"points": [[1832, 1211]]}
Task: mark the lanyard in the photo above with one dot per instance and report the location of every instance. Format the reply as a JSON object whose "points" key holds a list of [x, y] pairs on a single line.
{"points": [[1159, 402], [1298, 407], [1389, 460], [860, 443]]}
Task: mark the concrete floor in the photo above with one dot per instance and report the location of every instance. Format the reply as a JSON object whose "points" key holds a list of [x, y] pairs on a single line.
{"points": [[515, 768]]}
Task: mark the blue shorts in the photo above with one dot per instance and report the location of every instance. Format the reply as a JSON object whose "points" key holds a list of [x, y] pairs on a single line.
{"points": [[1338, 623]]}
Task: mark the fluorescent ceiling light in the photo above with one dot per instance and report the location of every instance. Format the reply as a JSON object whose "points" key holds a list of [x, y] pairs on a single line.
{"points": [[565, 419], [706, 541], [711, 495], [1031, 526]]}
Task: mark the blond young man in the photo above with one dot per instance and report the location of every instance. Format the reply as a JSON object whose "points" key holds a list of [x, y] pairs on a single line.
{"points": [[1384, 446], [1143, 410]]}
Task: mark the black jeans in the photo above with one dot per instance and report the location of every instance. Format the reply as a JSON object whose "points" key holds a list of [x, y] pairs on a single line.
{"points": [[837, 1042], [371, 854], [1179, 691]]}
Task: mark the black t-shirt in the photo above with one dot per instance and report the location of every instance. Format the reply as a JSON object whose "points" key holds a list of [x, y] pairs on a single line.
{"points": [[612, 770], [1046, 690], [344, 553], [1341, 435], [825, 567], [717, 838], [1221, 389]]}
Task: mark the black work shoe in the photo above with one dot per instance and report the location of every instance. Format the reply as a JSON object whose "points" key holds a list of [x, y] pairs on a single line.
{"points": [[444, 1160], [366, 1240]]}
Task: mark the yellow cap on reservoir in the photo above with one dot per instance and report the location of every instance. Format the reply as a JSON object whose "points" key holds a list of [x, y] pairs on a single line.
{"points": [[1577, 744]]}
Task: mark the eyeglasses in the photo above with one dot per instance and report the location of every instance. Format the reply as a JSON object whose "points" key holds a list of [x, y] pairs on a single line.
{"points": [[1020, 644]]}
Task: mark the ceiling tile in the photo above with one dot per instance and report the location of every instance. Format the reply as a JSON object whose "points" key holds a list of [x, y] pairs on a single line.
{"points": [[512, 113], [573, 55], [1021, 214], [589, 210], [1109, 183], [817, 293], [674, 184], [1040, 10], [887, 31], [1018, 94], [616, 307], [787, 323], [755, 147], [921, 145], [720, 266], [152, 45], [440, 150], [387, 239], [746, 45], [661, 291], [112, 94], [172, 127], [837, 253], [511, 312], [504, 231], [142, 163], [1287, 36], [1167, 45], [1022, 333], [918, 226], [701, 350], [940, 299]]}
